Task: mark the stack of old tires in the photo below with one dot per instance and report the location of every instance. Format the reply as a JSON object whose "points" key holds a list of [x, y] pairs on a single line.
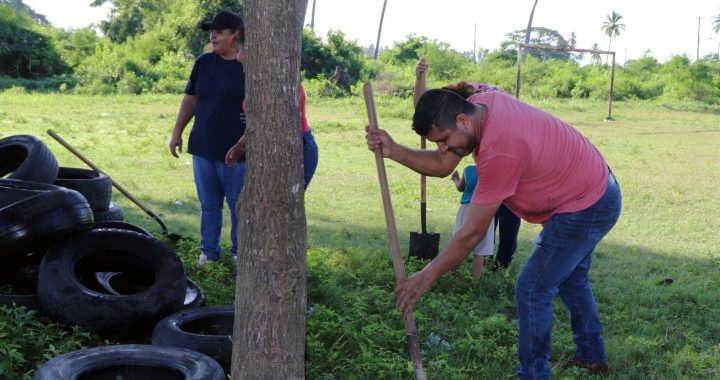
{"points": [[66, 251]]}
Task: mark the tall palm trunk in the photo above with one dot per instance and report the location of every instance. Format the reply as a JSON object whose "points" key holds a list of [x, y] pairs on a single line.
{"points": [[529, 26], [377, 43]]}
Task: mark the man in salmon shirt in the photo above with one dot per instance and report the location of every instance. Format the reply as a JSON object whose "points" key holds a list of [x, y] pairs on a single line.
{"points": [[546, 172]]}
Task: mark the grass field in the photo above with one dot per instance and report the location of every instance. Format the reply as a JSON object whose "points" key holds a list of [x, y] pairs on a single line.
{"points": [[665, 156]]}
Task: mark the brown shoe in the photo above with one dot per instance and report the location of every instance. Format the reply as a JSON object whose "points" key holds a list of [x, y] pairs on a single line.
{"points": [[594, 368]]}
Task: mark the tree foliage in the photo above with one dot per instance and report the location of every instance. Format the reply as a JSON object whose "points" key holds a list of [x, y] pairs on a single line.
{"points": [[319, 58], [612, 26], [24, 51], [20, 7], [545, 37]]}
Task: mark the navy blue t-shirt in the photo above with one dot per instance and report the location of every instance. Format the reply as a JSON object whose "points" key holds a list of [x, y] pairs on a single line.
{"points": [[219, 86]]}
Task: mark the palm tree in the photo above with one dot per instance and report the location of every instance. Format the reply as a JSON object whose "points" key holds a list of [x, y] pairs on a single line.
{"points": [[612, 26], [382, 16], [595, 57]]}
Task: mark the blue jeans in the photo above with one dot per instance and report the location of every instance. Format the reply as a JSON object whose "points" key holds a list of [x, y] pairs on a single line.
{"points": [[560, 264], [310, 156], [216, 182], [509, 225]]}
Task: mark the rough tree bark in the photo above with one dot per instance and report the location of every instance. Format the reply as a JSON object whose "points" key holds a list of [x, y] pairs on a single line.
{"points": [[270, 303]]}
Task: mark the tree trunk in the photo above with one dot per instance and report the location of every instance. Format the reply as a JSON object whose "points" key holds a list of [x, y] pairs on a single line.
{"points": [[270, 298]]}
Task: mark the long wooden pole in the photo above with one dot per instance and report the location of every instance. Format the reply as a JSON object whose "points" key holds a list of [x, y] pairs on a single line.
{"points": [[410, 330]]}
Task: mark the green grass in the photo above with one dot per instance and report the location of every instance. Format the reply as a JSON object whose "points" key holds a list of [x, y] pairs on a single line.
{"points": [[664, 155]]}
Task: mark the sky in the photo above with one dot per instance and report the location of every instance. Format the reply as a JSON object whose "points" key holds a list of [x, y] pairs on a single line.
{"points": [[664, 27]]}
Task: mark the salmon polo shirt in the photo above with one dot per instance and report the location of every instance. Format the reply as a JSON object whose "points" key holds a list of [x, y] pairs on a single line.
{"points": [[535, 163]]}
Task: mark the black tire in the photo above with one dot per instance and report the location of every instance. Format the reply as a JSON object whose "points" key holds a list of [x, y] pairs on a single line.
{"points": [[28, 159], [120, 225], [47, 214], [205, 329], [131, 361], [95, 186], [112, 213], [18, 280], [70, 293]]}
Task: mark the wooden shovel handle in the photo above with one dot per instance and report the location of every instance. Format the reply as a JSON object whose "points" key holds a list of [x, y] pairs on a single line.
{"points": [[115, 184], [410, 329]]}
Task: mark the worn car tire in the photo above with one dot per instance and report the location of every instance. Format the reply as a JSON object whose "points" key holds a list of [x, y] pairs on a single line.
{"points": [[28, 159], [131, 361], [33, 216], [120, 225], [111, 213], [95, 186], [18, 279], [204, 329], [70, 294]]}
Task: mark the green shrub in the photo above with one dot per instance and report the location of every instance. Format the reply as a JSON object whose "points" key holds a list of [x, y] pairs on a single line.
{"points": [[29, 340], [321, 87]]}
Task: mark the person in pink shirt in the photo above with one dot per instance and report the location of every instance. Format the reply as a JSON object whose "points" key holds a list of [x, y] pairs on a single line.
{"points": [[506, 222], [546, 172], [310, 148]]}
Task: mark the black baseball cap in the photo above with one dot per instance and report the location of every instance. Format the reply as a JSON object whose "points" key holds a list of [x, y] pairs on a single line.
{"points": [[223, 20]]}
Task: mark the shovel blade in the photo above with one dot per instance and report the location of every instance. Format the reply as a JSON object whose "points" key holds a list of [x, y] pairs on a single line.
{"points": [[424, 245]]}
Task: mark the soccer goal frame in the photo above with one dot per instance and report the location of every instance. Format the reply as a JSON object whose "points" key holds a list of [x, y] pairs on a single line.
{"points": [[522, 46]]}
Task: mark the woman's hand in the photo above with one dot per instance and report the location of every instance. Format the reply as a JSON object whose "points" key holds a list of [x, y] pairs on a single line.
{"points": [[234, 153], [175, 144]]}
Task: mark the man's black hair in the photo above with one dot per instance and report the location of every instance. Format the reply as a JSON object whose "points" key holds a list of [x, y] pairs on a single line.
{"points": [[439, 108]]}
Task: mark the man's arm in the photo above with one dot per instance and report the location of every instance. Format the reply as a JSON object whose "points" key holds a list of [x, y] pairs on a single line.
{"points": [[428, 162], [420, 80], [460, 244]]}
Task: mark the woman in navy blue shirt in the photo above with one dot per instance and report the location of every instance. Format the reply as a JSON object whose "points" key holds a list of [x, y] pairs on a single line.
{"points": [[213, 96]]}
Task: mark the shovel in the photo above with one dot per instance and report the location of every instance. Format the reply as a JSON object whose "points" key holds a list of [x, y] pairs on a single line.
{"points": [[410, 330], [173, 237], [423, 244]]}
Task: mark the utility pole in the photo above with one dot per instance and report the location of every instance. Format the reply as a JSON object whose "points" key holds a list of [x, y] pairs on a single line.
{"points": [[312, 18], [625, 57], [697, 55], [474, 45]]}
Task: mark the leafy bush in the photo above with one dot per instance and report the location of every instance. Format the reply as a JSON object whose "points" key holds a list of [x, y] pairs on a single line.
{"points": [[114, 68], [60, 83], [24, 52], [319, 58], [28, 341], [323, 88]]}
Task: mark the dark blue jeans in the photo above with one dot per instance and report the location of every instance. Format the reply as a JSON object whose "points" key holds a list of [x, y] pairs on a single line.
{"points": [[217, 183], [310, 156], [509, 225], [560, 265]]}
